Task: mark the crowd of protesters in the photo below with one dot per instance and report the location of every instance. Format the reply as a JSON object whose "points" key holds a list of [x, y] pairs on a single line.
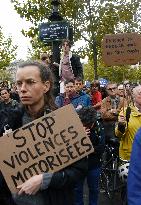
{"points": [[108, 112]]}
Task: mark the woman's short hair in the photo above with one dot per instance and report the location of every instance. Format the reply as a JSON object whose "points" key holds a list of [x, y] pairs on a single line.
{"points": [[46, 75], [66, 41]]}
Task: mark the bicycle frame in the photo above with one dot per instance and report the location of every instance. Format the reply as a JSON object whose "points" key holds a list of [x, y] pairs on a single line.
{"points": [[109, 179]]}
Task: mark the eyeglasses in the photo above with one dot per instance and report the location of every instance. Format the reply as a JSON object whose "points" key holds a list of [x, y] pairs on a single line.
{"points": [[28, 83], [114, 88]]}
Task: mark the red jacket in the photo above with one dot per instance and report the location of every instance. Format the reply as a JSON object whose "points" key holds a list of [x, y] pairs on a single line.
{"points": [[96, 97]]}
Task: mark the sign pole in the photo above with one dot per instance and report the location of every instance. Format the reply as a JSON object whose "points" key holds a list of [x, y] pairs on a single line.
{"points": [[56, 51], [52, 33], [55, 16], [123, 91]]}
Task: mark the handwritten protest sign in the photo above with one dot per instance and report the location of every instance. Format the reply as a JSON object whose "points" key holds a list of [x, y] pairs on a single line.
{"points": [[121, 49], [47, 144]]}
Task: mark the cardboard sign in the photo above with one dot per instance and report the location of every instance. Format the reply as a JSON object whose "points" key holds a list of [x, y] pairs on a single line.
{"points": [[121, 49], [47, 144]]}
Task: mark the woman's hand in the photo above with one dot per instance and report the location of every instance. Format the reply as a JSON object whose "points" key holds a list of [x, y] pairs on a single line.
{"points": [[87, 131], [31, 186], [122, 119]]}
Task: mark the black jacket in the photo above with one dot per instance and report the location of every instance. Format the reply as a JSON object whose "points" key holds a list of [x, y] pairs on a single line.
{"points": [[76, 66], [11, 117], [97, 138]]}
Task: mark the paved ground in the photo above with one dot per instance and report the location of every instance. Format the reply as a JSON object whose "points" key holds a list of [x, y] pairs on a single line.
{"points": [[103, 199]]}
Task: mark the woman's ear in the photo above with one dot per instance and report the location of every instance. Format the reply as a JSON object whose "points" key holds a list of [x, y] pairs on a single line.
{"points": [[46, 86]]}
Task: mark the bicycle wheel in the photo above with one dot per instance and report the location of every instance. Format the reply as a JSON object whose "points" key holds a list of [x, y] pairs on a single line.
{"points": [[108, 178], [105, 183]]}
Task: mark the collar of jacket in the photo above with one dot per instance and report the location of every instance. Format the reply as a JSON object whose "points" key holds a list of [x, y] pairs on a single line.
{"points": [[42, 111], [109, 98], [82, 93], [135, 111]]}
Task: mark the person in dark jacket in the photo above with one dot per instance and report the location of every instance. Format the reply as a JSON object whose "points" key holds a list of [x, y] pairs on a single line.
{"points": [[134, 175], [9, 118], [34, 85], [7, 101], [13, 93], [54, 67], [70, 66], [88, 116]]}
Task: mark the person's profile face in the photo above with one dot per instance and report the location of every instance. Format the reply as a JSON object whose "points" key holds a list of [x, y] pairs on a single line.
{"points": [[30, 86]]}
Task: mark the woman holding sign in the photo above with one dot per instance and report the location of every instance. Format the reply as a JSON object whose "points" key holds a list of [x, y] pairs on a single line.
{"points": [[34, 85]]}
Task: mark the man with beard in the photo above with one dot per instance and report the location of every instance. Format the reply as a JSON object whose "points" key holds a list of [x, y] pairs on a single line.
{"points": [[71, 96]]}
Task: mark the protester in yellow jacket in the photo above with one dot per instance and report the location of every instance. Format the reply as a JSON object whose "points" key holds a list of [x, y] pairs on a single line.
{"points": [[126, 130]]}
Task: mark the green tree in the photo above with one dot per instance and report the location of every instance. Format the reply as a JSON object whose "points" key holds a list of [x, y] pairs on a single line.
{"points": [[91, 20], [35, 51], [114, 73], [5, 75], [104, 17], [88, 72], [7, 51]]}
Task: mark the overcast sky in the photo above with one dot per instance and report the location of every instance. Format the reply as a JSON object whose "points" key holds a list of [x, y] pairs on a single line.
{"points": [[12, 25]]}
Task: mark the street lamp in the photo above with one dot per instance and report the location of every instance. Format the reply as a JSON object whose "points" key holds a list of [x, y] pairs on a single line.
{"points": [[55, 16]]}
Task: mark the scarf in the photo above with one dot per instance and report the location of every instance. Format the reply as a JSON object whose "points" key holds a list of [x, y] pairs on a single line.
{"points": [[62, 56]]}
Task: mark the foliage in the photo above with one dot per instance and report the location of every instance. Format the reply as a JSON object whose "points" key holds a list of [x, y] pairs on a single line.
{"points": [[7, 51], [88, 72], [91, 20], [35, 52], [114, 73], [5, 75]]}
